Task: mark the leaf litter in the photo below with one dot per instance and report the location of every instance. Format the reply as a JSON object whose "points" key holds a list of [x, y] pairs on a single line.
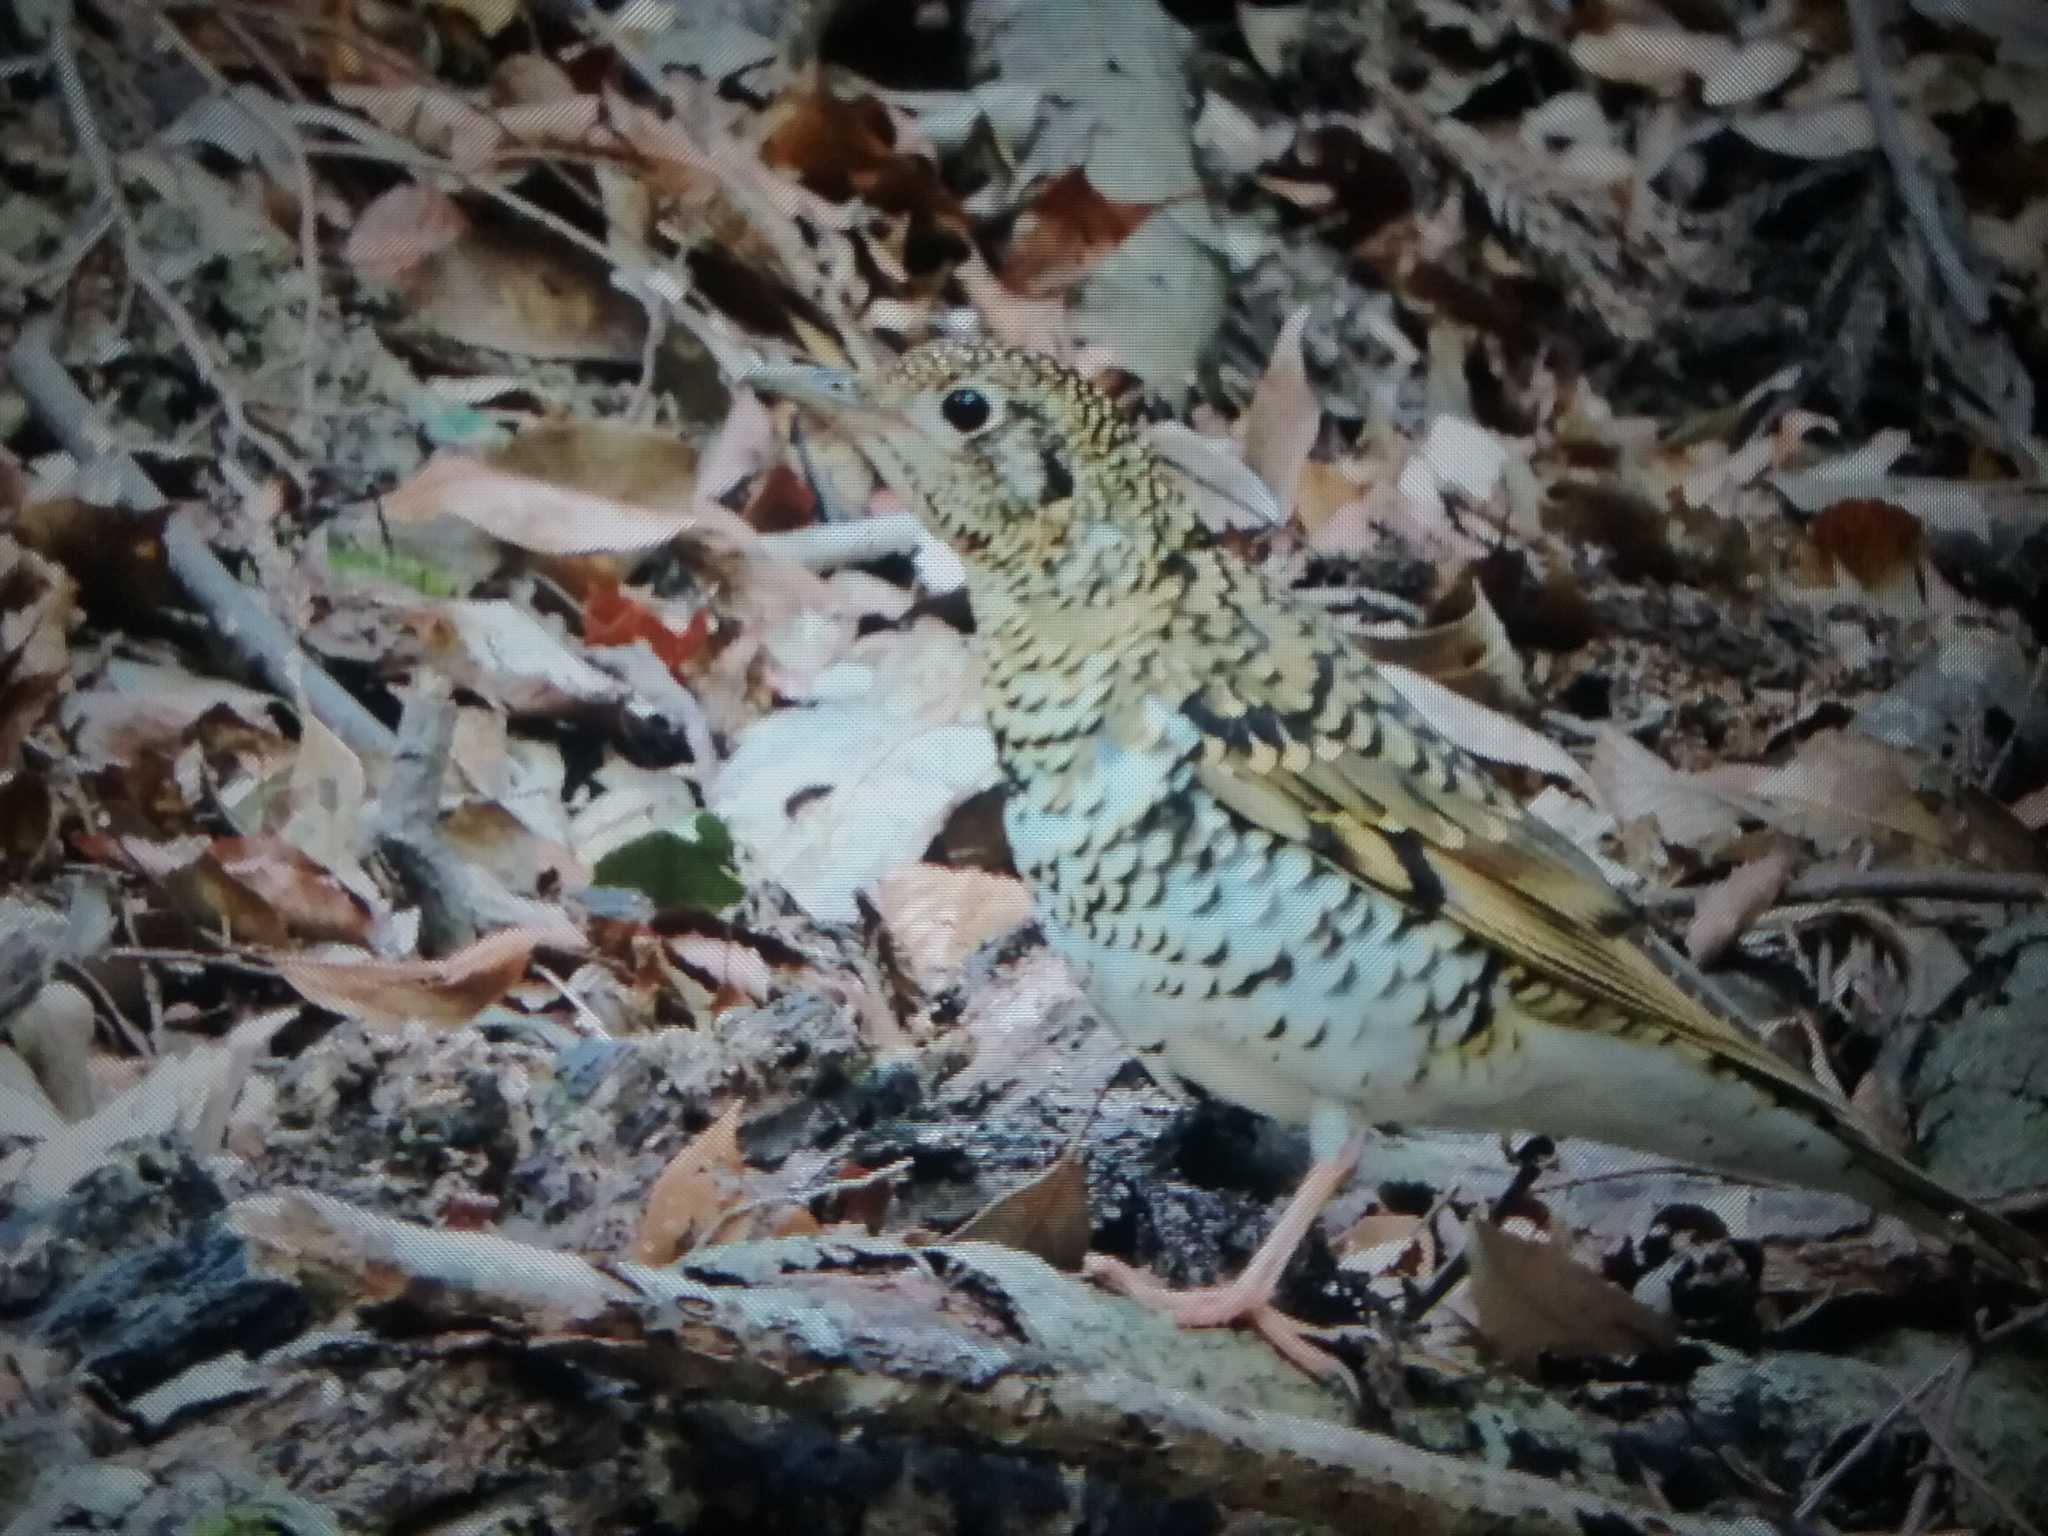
{"points": [[714, 741]]}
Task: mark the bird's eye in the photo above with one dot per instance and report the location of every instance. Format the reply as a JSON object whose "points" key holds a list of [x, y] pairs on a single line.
{"points": [[965, 410]]}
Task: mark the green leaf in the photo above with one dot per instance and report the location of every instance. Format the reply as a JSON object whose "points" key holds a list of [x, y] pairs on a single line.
{"points": [[688, 866], [345, 557]]}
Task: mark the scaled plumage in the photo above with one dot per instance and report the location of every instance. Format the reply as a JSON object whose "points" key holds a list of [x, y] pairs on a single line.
{"points": [[1270, 873]]}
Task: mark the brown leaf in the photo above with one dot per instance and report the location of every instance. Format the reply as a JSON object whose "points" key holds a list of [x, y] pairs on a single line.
{"points": [[1843, 787], [1385, 1243], [938, 917], [1635, 784], [1066, 232], [1047, 1217], [534, 296], [1280, 424], [1471, 654], [1875, 542], [694, 1193], [1725, 911], [1532, 1299], [450, 991], [310, 902], [37, 605], [843, 149], [402, 228], [548, 517]]}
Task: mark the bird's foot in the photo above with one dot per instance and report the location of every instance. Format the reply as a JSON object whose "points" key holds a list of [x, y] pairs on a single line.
{"points": [[1246, 1300]]}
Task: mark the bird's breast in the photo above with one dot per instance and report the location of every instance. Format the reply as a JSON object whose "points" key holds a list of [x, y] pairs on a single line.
{"points": [[1228, 956]]}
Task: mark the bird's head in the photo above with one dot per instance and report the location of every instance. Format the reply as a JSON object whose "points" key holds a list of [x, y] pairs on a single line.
{"points": [[1011, 458]]}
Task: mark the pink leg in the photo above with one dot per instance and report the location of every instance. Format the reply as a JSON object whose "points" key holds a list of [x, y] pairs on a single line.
{"points": [[1248, 1298]]}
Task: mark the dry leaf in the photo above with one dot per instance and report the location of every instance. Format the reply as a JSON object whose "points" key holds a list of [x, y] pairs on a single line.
{"points": [[693, 1194], [1724, 912], [535, 296], [1272, 33], [1471, 654], [37, 604], [187, 1097], [1281, 423], [1842, 787], [402, 228], [1532, 1299], [551, 518], [828, 799], [1227, 493], [449, 992], [937, 916], [1635, 784], [1656, 58], [1065, 233], [1047, 1217], [54, 1036], [1485, 732], [1878, 545], [1384, 1243], [505, 652], [309, 901]]}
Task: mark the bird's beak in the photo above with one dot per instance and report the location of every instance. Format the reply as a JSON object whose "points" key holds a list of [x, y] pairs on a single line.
{"points": [[833, 393]]}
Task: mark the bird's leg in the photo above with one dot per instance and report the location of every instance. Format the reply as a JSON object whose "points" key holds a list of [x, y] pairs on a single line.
{"points": [[1249, 1297]]}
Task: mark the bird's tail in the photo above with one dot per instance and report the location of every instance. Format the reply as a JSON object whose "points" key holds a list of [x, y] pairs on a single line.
{"points": [[1739, 1110]]}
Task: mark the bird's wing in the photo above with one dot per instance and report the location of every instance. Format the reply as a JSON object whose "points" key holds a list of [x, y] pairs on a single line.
{"points": [[1301, 736]]}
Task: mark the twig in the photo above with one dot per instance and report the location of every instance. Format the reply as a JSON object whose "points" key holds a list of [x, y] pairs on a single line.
{"points": [[245, 621], [1900, 884], [1445, 1280], [151, 955], [62, 406], [1916, 189], [1967, 1468], [1819, 1491], [141, 270], [729, 1220]]}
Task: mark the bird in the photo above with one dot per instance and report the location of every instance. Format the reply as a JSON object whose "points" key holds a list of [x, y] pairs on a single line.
{"points": [[1271, 875]]}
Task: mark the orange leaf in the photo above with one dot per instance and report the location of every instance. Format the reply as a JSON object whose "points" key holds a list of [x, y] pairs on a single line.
{"points": [[693, 1194], [1066, 233], [1876, 542]]}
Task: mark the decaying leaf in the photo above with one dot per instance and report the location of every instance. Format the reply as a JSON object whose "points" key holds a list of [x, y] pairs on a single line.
{"points": [[938, 916], [1842, 787], [1485, 732], [550, 516], [37, 603], [1725, 911], [1533, 1299], [1471, 654], [449, 992], [1636, 785], [186, 1097], [1047, 1216], [1064, 233], [829, 799], [693, 1193], [1281, 423]]}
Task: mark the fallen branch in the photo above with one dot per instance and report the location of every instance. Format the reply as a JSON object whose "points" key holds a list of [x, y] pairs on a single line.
{"points": [[967, 1342], [243, 619]]}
